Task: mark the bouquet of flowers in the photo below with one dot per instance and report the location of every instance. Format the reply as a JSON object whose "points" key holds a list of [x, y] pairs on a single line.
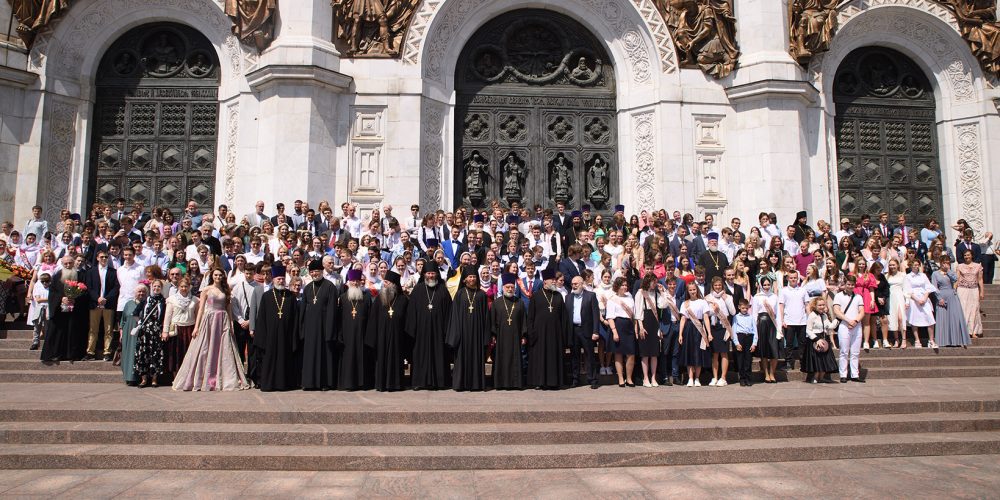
{"points": [[74, 289], [10, 270]]}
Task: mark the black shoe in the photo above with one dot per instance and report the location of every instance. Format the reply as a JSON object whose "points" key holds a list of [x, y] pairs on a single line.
{"points": [[629, 384], [749, 383], [857, 380], [621, 385], [667, 381], [595, 385], [826, 381], [676, 381], [743, 383], [843, 380], [89, 357], [107, 357], [34, 346]]}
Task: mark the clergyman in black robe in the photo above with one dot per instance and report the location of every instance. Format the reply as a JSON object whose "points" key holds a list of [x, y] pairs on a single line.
{"points": [[353, 313], [427, 322], [276, 336], [468, 333], [386, 323], [317, 333], [548, 329], [66, 333], [509, 328]]}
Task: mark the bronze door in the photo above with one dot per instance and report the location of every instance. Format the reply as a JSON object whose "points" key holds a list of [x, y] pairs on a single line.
{"points": [[156, 119], [887, 148], [536, 115]]}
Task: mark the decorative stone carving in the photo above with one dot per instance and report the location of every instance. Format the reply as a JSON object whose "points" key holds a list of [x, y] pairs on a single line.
{"points": [[977, 21], [253, 21], [811, 24], [60, 146], [704, 32], [970, 175], [371, 28], [232, 152], [562, 186], [368, 153], [515, 172], [35, 15], [598, 181], [709, 150], [644, 176], [432, 117], [476, 173]]}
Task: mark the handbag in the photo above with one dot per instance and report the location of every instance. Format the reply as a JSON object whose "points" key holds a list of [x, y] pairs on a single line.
{"points": [[821, 345], [135, 330]]}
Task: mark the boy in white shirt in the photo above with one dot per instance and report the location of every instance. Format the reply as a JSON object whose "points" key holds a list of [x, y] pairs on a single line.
{"points": [[792, 301]]}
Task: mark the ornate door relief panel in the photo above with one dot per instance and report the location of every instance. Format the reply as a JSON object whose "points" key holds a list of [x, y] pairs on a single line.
{"points": [[887, 146], [536, 115]]}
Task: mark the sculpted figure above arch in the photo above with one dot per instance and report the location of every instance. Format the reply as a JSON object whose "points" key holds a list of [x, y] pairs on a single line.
{"points": [[371, 28], [253, 21], [34, 15], [811, 27], [704, 32], [977, 20]]}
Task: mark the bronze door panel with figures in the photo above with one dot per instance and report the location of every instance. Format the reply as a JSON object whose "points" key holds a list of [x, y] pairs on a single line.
{"points": [[536, 115]]}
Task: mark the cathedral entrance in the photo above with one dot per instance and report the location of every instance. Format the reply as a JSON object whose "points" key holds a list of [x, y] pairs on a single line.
{"points": [[887, 145], [156, 119], [535, 118]]}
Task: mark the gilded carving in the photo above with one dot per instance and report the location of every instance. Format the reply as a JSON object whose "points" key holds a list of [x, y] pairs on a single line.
{"points": [[977, 21], [253, 21], [704, 32], [34, 15], [372, 28], [811, 24]]}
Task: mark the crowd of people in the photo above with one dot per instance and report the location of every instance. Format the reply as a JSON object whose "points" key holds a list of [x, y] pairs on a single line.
{"points": [[505, 297]]}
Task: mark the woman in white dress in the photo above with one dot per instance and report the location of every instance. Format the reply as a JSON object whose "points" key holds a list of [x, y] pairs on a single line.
{"points": [[897, 302], [919, 308]]}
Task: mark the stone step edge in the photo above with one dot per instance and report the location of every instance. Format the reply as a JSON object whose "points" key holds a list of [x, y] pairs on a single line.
{"points": [[829, 408], [589, 455]]}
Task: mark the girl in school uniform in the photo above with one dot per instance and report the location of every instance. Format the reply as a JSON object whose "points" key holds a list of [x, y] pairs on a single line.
{"points": [[695, 337]]}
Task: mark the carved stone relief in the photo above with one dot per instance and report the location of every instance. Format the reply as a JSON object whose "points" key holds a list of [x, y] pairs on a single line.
{"points": [[644, 174], [253, 21], [977, 22], [709, 153], [34, 16], [371, 28], [811, 24], [970, 174], [432, 117], [704, 32], [232, 152], [60, 145], [368, 152]]}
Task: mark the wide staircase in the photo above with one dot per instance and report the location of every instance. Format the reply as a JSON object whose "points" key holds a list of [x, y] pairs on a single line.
{"points": [[160, 429]]}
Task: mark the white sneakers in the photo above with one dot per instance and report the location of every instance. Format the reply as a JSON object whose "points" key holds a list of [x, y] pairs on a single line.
{"points": [[647, 384], [713, 382], [691, 382], [722, 383], [697, 383]]}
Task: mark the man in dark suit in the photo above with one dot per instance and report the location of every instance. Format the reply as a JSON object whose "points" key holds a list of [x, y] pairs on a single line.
{"points": [[102, 286], [454, 247], [572, 266], [561, 220], [89, 249], [529, 284], [585, 317], [736, 291], [884, 228], [967, 243]]}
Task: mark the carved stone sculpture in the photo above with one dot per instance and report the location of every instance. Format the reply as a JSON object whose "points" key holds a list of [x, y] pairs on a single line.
{"points": [[704, 33], [34, 15], [475, 177], [253, 21], [514, 175], [597, 181], [977, 20], [562, 187], [811, 24], [371, 28]]}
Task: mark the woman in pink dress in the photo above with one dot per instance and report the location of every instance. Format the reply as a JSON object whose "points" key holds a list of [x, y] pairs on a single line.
{"points": [[865, 287], [212, 362], [971, 292]]}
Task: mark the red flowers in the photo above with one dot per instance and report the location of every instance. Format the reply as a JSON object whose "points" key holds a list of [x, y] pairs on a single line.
{"points": [[15, 270]]}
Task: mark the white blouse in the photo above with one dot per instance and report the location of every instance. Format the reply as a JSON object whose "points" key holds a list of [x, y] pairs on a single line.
{"points": [[725, 306], [614, 307], [818, 325], [178, 314], [641, 303]]}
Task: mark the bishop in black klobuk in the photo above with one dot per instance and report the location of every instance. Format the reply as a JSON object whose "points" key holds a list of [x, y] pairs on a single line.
{"points": [[549, 328], [427, 322], [508, 326], [386, 324], [354, 305], [276, 334], [319, 327], [468, 333]]}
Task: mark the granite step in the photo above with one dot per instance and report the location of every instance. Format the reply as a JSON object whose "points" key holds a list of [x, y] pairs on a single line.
{"points": [[68, 375], [15, 343], [972, 350], [590, 455], [130, 433], [34, 364], [758, 410], [946, 358]]}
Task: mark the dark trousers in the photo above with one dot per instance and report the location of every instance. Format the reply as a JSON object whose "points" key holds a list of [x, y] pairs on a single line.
{"points": [[582, 340], [795, 338], [744, 358], [989, 263], [668, 356]]}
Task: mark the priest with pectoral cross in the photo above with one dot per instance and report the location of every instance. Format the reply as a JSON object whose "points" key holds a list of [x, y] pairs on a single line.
{"points": [[353, 312], [468, 333], [549, 328], [276, 334], [427, 322], [714, 261], [317, 334], [386, 322], [508, 327]]}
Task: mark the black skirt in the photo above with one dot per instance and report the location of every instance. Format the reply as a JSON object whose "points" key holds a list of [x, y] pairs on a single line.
{"points": [[650, 346], [719, 342], [814, 361], [626, 338], [691, 353], [768, 345]]}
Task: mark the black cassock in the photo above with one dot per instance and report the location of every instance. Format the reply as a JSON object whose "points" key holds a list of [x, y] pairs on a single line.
{"points": [[278, 338], [317, 333], [508, 325], [66, 333], [384, 337], [427, 326], [468, 334], [354, 366], [548, 330]]}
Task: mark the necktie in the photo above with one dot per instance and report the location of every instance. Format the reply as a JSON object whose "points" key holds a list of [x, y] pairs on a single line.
{"points": [[906, 236]]}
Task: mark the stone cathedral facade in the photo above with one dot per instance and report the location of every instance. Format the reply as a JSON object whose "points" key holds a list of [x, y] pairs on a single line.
{"points": [[727, 107]]}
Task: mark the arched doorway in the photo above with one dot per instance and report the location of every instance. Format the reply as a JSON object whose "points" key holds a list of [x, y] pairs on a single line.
{"points": [[156, 118], [535, 118], [887, 147]]}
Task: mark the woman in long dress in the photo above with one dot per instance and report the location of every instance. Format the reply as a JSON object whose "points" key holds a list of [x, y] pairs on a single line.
{"points": [[178, 325], [149, 344], [951, 329], [212, 362], [695, 338], [917, 290], [764, 307], [971, 292], [896, 319], [129, 321]]}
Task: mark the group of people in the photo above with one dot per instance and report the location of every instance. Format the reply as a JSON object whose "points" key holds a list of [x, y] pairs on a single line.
{"points": [[503, 297]]}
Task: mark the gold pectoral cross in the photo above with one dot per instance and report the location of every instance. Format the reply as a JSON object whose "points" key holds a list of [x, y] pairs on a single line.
{"points": [[550, 308], [471, 308], [354, 313], [279, 314], [510, 322], [390, 313], [430, 307]]}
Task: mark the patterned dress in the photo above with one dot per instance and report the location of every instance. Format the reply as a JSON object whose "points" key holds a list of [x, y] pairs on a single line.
{"points": [[149, 356]]}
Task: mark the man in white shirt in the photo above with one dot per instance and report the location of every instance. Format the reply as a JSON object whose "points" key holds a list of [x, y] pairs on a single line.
{"points": [[789, 244], [257, 218], [129, 275], [37, 225], [191, 251], [350, 221], [256, 253], [845, 230], [792, 300], [158, 257], [242, 294]]}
